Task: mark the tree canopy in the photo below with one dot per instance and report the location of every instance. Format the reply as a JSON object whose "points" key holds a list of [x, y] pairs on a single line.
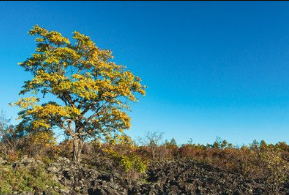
{"points": [[93, 93]]}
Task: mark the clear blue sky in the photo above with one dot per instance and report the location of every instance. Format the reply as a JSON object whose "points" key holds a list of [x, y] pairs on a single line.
{"points": [[212, 68]]}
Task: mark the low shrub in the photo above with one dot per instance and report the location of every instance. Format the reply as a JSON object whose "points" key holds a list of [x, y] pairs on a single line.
{"points": [[26, 179]]}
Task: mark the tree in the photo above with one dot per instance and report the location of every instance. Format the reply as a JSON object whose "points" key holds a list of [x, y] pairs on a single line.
{"points": [[9, 135], [152, 141], [173, 142], [92, 92], [3, 125]]}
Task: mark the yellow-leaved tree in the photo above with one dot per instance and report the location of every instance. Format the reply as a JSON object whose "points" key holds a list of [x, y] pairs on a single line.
{"points": [[93, 91]]}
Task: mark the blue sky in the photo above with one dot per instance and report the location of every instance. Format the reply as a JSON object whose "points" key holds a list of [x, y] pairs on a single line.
{"points": [[212, 68]]}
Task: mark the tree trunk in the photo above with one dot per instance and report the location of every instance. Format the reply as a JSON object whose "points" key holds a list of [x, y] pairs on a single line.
{"points": [[77, 148]]}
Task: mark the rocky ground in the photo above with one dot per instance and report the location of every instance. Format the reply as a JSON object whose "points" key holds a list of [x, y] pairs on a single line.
{"points": [[171, 178]]}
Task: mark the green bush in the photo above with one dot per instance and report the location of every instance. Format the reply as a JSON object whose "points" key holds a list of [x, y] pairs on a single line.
{"points": [[129, 162], [133, 162], [26, 179]]}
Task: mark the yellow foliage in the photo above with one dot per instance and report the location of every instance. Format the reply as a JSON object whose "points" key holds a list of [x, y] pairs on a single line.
{"points": [[43, 138], [92, 92]]}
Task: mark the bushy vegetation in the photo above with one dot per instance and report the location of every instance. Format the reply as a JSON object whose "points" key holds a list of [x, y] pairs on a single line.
{"points": [[258, 160], [26, 179]]}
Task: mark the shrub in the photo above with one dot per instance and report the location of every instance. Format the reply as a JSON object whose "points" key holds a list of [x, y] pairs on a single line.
{"points": [[26, 179], [123, 152], [277, 167]]}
